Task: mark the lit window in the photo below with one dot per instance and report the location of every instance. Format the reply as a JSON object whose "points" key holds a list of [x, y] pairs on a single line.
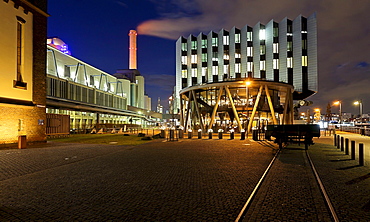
{"points": [[226, 69], [276, 32], [249, 66], [289, 46], [275, 48], [275, 64], [215, 41], [204, 57], [237, 67], [262, 34], [204, 71], [215, 70], [184, 46], [194, 59], [193, 72], [262, 65], [184, 60], [237, 55], [193, 45], [289, 62], [237, 38], [262, 49], [249, 51], [249, 36], [226, 40], [214, 56], [204, 43], [304, 61], [226, 57], [184, 73], [304, 43]]}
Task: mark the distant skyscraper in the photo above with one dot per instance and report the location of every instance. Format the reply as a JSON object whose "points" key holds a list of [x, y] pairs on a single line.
{"points": [[132, 50], [159, 106]]}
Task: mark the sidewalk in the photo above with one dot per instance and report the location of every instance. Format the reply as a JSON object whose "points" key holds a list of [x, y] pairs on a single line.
{"points": [[346, 182]]}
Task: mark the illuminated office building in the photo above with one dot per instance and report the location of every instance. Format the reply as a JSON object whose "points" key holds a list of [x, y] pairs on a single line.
{"points": [[277, 59]]}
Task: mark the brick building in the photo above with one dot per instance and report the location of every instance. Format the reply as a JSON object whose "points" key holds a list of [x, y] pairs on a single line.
{"points": [[22, 68]]}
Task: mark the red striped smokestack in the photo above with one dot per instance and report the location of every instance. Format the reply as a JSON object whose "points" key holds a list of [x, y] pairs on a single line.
{"points": [[132, 49]]}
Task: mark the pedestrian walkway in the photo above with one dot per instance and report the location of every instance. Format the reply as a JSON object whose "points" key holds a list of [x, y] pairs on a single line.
{"points": [[347, 183]]}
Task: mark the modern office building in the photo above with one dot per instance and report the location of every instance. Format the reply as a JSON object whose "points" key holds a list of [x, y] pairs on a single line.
{"points": [[22, 68], [246, 77]]}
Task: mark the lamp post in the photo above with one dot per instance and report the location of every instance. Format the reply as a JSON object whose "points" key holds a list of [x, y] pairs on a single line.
{"points": [[359, 102], [340, 110]]}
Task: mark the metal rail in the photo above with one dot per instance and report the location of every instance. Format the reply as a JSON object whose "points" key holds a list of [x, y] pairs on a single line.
{"points": [[327, 201], [253, 194]]}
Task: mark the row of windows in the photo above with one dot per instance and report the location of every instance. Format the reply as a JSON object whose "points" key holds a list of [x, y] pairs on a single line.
{"points": [[70, 91], [275, 65]]}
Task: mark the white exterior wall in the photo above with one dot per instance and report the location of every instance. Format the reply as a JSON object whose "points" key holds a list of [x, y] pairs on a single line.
{"points": [[256, 51], [297, 53], [269, 56], [312, 53], [232, 52], [283, 72], [243, 46], [8, 52]]}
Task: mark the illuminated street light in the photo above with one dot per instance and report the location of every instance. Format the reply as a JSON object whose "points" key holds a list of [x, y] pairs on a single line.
{"points": [[359, 102], [340, 110]]}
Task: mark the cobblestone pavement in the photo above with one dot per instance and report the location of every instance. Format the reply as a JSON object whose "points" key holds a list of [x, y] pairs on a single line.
{"points": [[290, 193], [347, 183], [188, 180]]}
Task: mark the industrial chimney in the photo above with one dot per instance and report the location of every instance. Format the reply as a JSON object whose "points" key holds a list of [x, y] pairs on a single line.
{"points": [[132, 49]]}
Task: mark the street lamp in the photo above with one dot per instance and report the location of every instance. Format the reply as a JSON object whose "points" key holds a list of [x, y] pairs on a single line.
{"points": [[340, 110], [359, 102]]}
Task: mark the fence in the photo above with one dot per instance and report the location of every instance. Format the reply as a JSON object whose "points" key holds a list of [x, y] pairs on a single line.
{"points": [[57, 124]]}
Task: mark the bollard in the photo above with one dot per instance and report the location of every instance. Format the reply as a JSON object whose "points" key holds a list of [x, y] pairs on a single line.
{"points": [[338, 141], [163, 134], [242, 135], [335, 140], [181, 134], [190, 134], [255, 135], [347, 147], [353, 152], [341, 143], [232, 135], [361, 154], [220, 135], [199, 134], [210, 132]]}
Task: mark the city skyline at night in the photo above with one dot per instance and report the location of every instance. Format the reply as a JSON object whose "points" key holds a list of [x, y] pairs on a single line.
{"points": [[97, 33]]}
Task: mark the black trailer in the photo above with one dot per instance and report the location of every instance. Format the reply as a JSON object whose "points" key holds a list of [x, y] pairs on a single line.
{"points": [[293, 133]]}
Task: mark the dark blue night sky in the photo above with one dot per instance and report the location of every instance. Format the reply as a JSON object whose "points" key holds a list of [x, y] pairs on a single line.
{"points": [[96, 32]]}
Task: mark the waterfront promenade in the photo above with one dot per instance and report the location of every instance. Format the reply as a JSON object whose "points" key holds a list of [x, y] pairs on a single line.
{"points": [[186, 180]]}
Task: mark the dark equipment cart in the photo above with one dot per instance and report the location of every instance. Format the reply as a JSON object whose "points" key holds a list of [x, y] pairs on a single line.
{"points": [[293, 133]]}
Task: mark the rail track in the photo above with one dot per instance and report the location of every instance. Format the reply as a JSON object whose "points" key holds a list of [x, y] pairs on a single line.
{"points": [[329, 215]]}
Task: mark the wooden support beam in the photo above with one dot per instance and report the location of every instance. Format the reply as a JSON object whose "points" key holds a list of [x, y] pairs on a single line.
{"points": [[198, 111], [270, 105], [233, 107], [187, 113], [255, 108], [215, 108]]}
